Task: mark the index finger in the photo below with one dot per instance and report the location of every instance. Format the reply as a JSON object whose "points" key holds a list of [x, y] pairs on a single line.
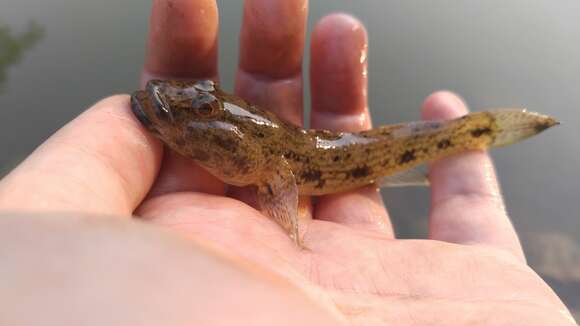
{"points": [[271, 50], [183, 36], [182, 42]]}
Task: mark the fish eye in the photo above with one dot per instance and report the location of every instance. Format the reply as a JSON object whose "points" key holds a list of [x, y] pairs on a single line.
{"points": [[205, 105], [205, 110]]}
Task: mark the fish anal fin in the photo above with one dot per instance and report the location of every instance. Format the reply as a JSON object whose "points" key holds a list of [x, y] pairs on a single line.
{"points": [[406, 178]]}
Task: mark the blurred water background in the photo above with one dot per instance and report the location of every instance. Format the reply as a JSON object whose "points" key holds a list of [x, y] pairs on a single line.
{"points": [[57, 57]]}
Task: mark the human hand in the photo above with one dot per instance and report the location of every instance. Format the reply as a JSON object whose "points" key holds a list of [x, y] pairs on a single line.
{"points": [[470, 270]]}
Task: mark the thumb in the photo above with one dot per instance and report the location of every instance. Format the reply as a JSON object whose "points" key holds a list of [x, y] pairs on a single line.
{"points": [[101, 162]]}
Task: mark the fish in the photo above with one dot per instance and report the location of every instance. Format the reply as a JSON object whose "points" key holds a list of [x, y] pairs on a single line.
{"points": [[243, 144]]}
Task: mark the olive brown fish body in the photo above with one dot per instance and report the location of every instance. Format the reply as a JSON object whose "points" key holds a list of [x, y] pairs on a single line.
{"points": [[243, 144]]}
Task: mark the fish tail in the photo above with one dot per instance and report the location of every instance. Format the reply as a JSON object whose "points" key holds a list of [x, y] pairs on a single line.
{"points": [[493, 128], [392, 150], [514, 125], [419, 142]]}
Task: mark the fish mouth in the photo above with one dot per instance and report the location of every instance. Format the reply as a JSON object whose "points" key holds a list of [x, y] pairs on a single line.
{"points": [[137, 100]]}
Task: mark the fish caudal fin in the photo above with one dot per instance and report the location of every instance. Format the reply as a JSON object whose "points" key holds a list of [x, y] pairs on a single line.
{"points": [[514, 125]]}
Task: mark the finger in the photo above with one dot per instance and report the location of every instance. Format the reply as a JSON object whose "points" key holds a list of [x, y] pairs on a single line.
{"points": [[271, 47], [102, 162], [338, 75], [466, 202], [270, 68], [182, 39], [182, 44]]}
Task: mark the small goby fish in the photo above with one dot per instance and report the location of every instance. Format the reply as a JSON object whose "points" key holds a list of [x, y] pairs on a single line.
{"points": [[243, 144]]}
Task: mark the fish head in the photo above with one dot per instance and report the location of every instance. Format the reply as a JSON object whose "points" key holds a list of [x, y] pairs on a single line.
{"points": [[191, 118]]}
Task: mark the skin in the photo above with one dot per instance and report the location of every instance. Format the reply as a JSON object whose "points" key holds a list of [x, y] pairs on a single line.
{"points": [[471, 269]]}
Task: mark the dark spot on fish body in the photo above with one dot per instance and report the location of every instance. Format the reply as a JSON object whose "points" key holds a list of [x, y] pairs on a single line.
{"points": [[290, 155], [321, 183], [241, 164], [180, 142], [361, 172], [336, 158], [480, 131], [443, 144], [226, 144], [408, 156], [311, 175], [260, 135], [270, 191], [200, 155]]}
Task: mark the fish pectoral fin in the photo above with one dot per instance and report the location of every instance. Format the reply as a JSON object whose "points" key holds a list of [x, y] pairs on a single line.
{"points": [[278, 199], [407, 178]]}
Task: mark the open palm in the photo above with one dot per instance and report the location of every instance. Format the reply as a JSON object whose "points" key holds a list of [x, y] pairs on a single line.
{"points": [[471, 270]]}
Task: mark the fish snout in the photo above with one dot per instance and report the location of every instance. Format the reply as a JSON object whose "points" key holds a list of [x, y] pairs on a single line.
{"points": [[138, 109]]}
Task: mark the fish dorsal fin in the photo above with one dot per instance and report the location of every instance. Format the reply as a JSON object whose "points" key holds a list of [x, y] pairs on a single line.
{"points": [[407, 178]]}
